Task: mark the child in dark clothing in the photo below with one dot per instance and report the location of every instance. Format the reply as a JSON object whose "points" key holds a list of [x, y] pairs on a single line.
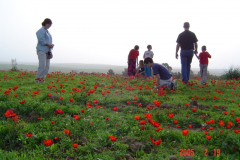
{"points": [[141, 70]]}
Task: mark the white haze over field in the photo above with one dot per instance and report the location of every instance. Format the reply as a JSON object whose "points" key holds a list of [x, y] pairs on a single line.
{"points": [[104, 31]]}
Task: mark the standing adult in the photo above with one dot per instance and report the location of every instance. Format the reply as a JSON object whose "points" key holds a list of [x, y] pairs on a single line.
{"points": [[44, 47], [133, 60], [187, 40]]}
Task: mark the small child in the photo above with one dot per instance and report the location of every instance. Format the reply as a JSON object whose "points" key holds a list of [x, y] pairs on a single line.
{"points": [[148, 53], [141, 70], [203, 59]]}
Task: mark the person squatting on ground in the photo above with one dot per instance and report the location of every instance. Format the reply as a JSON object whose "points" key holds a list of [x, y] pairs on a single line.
{"points": [[132, 60], [148, 53], [164, 77], [187, 40], [141, 69], [203, 59], [44, 47]]}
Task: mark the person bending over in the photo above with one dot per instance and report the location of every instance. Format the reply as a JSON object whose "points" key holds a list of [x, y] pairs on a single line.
{"points": [[164, 77]]}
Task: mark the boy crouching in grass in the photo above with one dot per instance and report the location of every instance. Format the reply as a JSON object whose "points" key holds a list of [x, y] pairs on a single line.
{"points": [[164, 77]]}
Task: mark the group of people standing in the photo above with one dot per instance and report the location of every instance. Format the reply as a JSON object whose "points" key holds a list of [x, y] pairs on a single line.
{"points": [[187, 40], [133, 60]]}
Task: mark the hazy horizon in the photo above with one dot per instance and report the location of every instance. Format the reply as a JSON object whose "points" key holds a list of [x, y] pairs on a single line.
{"points": [[104, 31], [102, 68]]}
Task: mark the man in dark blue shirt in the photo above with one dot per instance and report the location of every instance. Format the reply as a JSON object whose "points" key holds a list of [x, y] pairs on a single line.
{"points": [[187, 40], [164, 77]]}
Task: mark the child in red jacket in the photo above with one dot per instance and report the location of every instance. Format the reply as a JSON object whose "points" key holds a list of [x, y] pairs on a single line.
{"points": [[203, 58]]}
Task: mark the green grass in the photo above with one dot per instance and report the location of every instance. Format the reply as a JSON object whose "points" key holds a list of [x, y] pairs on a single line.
{"points": [[93, 141]]}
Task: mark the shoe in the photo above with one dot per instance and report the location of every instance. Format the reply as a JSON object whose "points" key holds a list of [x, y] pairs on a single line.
{"points": [[41, 80], [174, 85], [37, 80]]}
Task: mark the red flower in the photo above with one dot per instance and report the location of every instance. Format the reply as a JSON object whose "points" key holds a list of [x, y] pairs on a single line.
{"points": [[49, 95], [189, 126], [185, 132], [211, 128], [103, 93], [170, 115], [206, 133], [52, 122], [95, 101], [236, 131], [143, 122], [137, 117], [115, 109], [39, 118], [66, 131], [186, 104], [175, 121], [127, 102], [29, 134], [107, 118], [22, 102], [76, 117], [9, 113], [142, 128], [208, 137], [221, 123], [221, 131], [58, 111], [116, 125], [71, 99], [48, 142], [194, 109], [60, 98], [82, 110], [228, 126], [139, 104], [112, 138], [91, 123], [159, 129], [56, 138], [226, 113], [187, 116], [75, 145], [158, 142]]}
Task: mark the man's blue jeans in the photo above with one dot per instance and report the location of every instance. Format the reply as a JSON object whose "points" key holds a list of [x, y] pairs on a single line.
{"points": [[186, 60]]}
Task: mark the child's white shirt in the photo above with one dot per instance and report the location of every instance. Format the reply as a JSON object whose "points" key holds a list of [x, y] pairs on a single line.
{"points": [[148, 54]]}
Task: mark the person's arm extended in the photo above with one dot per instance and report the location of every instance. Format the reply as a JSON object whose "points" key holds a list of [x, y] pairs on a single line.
{"points": [[158, 80], [209, 55], [137, 61], [177, 48], [196, 48]]}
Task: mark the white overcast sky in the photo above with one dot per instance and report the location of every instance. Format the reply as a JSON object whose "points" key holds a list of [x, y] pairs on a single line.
{"points": [[104, 31]]}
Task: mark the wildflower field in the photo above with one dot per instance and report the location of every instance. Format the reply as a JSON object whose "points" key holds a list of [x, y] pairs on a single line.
{"points": [[106, 117]]}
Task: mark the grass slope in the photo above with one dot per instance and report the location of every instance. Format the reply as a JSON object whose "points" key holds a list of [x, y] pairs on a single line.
{"points": [[110, 115]]}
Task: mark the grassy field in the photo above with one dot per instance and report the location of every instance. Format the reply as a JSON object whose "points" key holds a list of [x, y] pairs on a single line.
{"points": [[110, 117]]}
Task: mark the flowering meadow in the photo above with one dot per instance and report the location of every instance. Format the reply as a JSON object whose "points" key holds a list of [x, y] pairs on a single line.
{"points": [[103, 117]]}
